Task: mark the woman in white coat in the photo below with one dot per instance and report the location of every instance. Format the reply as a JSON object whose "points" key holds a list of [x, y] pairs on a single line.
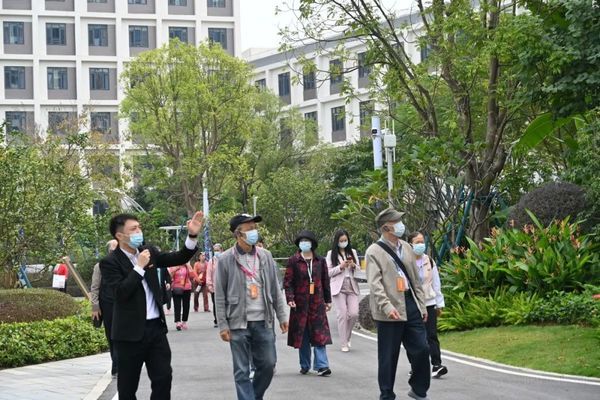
{"points": [[342, 262]]}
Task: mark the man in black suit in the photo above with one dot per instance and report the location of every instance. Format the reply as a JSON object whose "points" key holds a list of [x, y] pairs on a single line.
{"points": [[139, 328]]}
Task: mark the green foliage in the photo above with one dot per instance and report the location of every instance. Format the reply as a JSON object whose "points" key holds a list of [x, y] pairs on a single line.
{"points": [[44, 196], [498, 308], [549, 202], [18, 305], [568, 308], [535, 259], [42, 341]]}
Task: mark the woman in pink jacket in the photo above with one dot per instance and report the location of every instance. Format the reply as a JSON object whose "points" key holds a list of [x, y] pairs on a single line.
{"points": [[342, 261], [181, 287]]}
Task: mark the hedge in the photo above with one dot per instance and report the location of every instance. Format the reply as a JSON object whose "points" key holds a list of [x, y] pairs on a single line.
{"points": [[19, 305]]}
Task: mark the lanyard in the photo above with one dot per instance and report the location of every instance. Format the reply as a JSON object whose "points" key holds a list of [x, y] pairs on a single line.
{"points": [[250, 274], [309, 264]]}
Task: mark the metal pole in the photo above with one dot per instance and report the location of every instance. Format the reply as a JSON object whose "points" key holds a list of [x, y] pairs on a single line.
{"points": [[390, 173], [377, 142], [254, 200]]}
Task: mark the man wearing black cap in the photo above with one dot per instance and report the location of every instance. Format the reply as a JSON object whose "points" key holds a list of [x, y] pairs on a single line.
{"points": [[398, 307], [248, 297]]}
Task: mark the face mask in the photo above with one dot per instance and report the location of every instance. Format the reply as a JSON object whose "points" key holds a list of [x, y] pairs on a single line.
{"points": [[342, 245], [136, 240], [251, 237], [399, 229], [217, 253], [419, 248], [305, 246]]}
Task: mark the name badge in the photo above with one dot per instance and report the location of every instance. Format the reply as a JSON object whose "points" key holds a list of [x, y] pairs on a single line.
{"points": [[253, 291], [400, 284], [311, 288]]}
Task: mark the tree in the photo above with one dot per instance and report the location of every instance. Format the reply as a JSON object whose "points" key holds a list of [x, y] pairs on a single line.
{"points": [[196, 109], [45, 200], [467, 93]]}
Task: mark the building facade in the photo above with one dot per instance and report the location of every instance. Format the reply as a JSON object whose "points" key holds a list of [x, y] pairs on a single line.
{"points": [[62, 58], [339, 118]]}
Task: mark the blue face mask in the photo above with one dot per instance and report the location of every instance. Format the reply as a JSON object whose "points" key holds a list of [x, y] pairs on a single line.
{"points": [[419, 248], [399, 229], [251, 237], [136, 240], [305, 246], [217, 254]]}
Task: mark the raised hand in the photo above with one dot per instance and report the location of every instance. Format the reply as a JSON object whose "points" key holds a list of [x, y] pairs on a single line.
{"points": [[194, 225]]}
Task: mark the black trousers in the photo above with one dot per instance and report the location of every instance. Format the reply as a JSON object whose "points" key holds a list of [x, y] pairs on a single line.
{"points": [[185, 299], [411, 333], [106, 308], [432, 336], [155, 352]]}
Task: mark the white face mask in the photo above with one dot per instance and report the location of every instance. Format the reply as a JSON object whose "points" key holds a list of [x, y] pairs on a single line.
{"points": [[399, 229], [343, 245]]}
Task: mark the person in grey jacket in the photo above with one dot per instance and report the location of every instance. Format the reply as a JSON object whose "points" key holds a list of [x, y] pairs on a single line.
{"points": [[397, 303], [247, 299]]}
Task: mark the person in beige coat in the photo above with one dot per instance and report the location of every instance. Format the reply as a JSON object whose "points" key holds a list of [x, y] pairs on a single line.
{"points": [[397, 305]]}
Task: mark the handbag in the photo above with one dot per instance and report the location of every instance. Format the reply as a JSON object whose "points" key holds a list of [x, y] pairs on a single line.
{"points": [[97, 322]]}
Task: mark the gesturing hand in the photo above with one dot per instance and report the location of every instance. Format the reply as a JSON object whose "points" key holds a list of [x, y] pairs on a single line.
{"points": [[194, 225]]}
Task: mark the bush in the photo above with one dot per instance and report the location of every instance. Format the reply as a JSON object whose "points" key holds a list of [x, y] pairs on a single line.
{"points": [[42, 341], [533, 259], [501, 308], [551, 202], [27, 305], [568, 309], [364, 315]]}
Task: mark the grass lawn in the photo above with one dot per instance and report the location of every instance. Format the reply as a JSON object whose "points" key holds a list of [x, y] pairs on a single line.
{"points": [[563, 349]]}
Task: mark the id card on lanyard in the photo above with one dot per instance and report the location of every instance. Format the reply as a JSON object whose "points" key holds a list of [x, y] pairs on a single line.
{"points": [[311, 287], [250, 274]]}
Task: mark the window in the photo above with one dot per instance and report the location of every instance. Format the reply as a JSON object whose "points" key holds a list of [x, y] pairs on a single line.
{"points": [[14, 77], [97, 1], [424, 52], [57, 78], [338, 119], [138, 36], [218, 35], [57, 122], [312, 127], [363, 68], [284, 84], [178, 32], [335, 72], [261, 84], [101, 122], [99, 79], [178, 3], [14, 33], [216, 3], [56, 34], [15, 121], [309, 80], [365, 111], [98, 35], [137, 1]]}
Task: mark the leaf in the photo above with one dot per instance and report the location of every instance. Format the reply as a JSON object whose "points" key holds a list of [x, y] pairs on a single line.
{"points": [[538, 130]]}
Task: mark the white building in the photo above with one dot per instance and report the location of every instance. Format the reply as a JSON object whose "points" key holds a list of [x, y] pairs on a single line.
{"points": [[317, 95], [61, 58]]}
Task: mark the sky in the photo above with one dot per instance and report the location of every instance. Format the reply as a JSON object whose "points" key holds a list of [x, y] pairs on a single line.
{"points": [[260, 25]]}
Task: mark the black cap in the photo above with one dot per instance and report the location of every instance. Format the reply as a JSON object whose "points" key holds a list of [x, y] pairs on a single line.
{"points": [[242, 219]]}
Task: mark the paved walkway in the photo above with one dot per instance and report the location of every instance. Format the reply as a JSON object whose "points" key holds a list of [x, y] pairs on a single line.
{"points": [[202, 370]]}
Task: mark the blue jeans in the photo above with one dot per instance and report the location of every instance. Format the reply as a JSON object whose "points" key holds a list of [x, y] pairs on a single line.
{"points": [[320, 352], [256, 343]]}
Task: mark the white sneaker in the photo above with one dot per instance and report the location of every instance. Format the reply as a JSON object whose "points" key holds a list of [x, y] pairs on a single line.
{"points": [[349, 344], [345, 349]]}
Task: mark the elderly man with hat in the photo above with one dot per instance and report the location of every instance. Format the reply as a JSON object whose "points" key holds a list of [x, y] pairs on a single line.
{"points": [[307, 292], [398, 307], [247, 299]]}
